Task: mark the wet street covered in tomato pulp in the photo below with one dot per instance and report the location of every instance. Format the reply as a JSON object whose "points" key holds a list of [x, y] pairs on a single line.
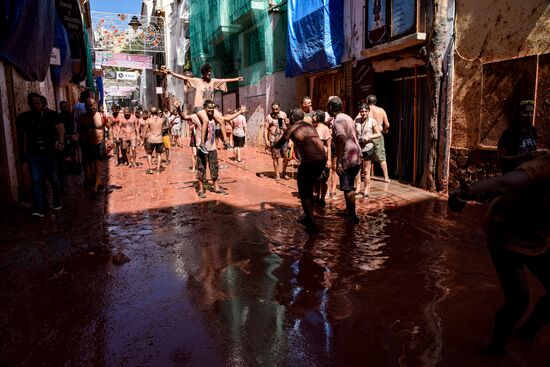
{"points": [[236, 281]]}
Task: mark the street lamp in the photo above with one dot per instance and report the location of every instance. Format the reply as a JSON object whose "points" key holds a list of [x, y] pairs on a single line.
{"points": [[134, 23]]}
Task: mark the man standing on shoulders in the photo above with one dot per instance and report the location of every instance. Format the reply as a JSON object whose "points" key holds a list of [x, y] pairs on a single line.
{"points": [[40, 134], [205, 87], [348, 153], [275, 125], [378, 114]]}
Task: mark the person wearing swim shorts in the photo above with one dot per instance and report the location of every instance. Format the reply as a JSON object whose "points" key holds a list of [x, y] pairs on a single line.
{"points": [[313, 159]]}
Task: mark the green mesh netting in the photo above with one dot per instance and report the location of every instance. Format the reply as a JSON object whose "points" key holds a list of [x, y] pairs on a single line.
{"points": [[236, 37], [89, 66]]}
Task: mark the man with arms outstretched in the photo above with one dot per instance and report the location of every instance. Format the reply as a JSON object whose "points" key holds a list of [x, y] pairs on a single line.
{"points": [[205, 87]]}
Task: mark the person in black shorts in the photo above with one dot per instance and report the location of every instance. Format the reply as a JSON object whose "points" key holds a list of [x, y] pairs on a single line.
{"points": [[313, 159], [238, 125], [153, 133]]}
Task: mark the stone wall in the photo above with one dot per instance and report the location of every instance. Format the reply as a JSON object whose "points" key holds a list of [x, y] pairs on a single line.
{"points": [[491, 40], [258, 98], [542, 111], [500, 49], [471, 165]]}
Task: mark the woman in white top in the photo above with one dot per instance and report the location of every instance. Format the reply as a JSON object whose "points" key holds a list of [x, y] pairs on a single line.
{"points": [[367, 129]]}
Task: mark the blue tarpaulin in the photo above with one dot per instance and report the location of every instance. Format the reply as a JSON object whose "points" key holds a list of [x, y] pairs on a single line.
{"points": [[100, 90], [62, 74], [315, 35], [27, 41]]}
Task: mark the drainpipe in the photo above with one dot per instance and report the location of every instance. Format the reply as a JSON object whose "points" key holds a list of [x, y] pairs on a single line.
{"points": [[447, 118]]}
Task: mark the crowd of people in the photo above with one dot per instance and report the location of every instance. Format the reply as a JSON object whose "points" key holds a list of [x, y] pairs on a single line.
{"points": [[334, 151], [331, 147]]}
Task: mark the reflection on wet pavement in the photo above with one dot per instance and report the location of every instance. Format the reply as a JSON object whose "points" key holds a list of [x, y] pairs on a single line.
{"points": [[258, 290], [238, 282]]}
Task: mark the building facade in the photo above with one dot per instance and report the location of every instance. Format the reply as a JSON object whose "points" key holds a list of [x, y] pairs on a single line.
{"points": [[244, 38], [502, 56], [448, 74], [57, 64], [388, 46]]}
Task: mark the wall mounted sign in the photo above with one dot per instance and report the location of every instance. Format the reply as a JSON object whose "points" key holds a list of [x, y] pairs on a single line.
{"points": [[403, 17], [55, 58], [124, 60], [126, 75], [376, 17]]}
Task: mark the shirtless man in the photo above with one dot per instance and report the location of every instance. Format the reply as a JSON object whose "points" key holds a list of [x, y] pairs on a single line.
{"points": [[104, 117], [153, 133], [92, 128], [114, 132], [141, 136], [229, 129], [378, 114], [194, 130], [307, 107], [205, 87], [275, 125], [313, 159], [212, 156], [325, 134], [138, 123], [128, 137]]}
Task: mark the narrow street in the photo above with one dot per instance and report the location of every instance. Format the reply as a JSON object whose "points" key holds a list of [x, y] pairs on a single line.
{"points": [[236, 281], [106, 260]]}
